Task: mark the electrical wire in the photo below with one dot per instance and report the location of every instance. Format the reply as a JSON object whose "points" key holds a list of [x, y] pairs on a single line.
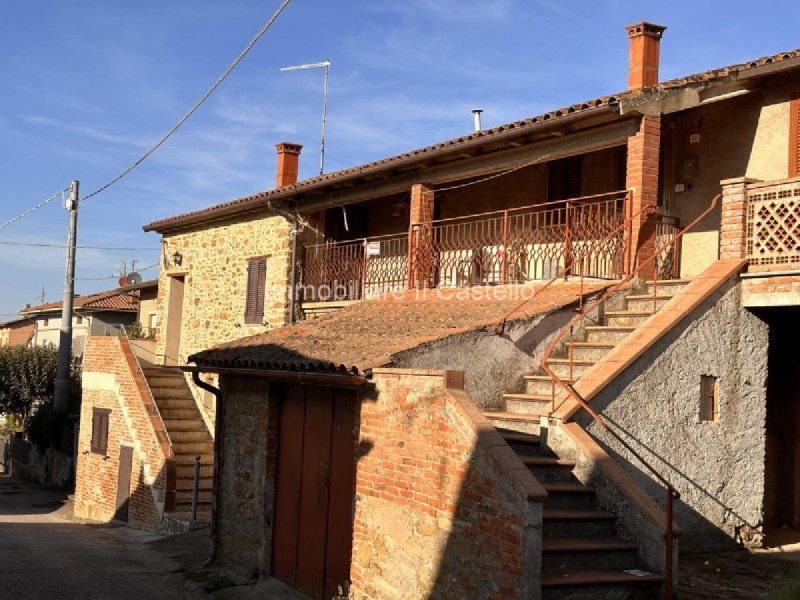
{"points": [[43, 245], [197, 104], [34, 208], [147, 268]]}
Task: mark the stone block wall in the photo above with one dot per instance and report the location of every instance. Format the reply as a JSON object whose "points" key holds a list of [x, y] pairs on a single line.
{"points": [[444, 508], [110, 382], [214, 264]]}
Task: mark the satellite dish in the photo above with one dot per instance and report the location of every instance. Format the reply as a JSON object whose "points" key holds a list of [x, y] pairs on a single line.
{"points": [[123, 281], [133, 278]]}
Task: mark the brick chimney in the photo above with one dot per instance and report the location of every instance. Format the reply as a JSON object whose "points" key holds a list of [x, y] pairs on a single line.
{"points": [[288, 159], [645, 39]]}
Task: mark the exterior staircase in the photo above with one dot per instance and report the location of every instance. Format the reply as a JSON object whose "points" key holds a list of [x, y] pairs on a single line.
{"points": [[189, 436], [581, 555]]}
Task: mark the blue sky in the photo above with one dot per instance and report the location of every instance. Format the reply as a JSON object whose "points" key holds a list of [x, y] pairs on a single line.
{"points": [[87, 86]]}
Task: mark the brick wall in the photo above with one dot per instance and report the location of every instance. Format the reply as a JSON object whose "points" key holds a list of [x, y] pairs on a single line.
{"points": [[442, 503], [110, 381], [767, 289]]}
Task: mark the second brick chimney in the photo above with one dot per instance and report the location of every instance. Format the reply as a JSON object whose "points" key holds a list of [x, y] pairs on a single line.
{"points": [[288, 160], [645, 39]]}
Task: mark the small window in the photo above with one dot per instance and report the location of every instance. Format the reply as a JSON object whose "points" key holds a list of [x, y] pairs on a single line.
{"points": [[709, 398], [100, 430], [45, 322], [78, 320], [256, 289]]}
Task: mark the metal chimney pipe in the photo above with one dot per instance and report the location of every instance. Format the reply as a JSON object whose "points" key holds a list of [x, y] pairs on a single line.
{"points": [[476, 115]]}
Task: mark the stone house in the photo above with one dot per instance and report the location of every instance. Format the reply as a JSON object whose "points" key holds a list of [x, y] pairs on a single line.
{"points": [[528, 362]]}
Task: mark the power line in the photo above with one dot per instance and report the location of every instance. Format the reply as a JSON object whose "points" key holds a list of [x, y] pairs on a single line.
{"points": [[34, 208], [197, 104], [43, 245], [147, 268]]}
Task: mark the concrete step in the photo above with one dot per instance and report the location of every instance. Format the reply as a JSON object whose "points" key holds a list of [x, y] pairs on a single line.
{"points": [[165, 380], [528, 404], [538, 385], [566, 554], [617, 318], [514, 422], [644, 302], [609, 335], [669, 287], [181, 436], [186, 471], [179, 403], [600, 585], [519, 439], [186, 485], [584, 524], [568, 495], [589, 351], [562, 368]]}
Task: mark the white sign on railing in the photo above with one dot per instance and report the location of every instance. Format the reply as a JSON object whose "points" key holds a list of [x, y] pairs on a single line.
{"points": [[373, 248]]}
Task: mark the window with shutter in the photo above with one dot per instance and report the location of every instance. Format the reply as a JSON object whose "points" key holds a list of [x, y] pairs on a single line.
{"points": [[99, 443], [256, 291], [794, 137]]}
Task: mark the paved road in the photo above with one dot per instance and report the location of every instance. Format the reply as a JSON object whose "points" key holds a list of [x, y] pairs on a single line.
{"points": [[45, 554]]}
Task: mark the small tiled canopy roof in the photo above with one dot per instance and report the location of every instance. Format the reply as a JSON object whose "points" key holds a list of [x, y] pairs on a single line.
{"points": [[110, 300], [368, 334], [764, 65]]}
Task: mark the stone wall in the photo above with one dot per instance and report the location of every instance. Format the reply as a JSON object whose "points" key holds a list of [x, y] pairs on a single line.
{"points": [[444, 508], [247, 475], [109, 381], [717, 466], [214, 264]]}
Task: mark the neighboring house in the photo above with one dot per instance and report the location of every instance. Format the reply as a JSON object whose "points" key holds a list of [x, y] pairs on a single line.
{"points": [[146, 314], [428, 441], [18, 332], [104, 313]]}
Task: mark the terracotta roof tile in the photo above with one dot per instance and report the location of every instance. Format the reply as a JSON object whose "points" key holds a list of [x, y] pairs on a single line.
{"points": [[368, 334], [110, 300]]}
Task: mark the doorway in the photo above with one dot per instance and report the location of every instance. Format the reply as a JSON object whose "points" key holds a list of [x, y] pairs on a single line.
{"points": [[172, 344], [124, 483], [314, 491], [782, 472]]}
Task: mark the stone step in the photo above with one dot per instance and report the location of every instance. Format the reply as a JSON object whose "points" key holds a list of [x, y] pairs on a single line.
{"points": [[516, 437], [566, 554], [172, 414], [568, 495], [192, 448], [610, 335], [528, 404], [538, 385], [164, 393], [550, 468], [617, 318], [193, 423], [565, 371], [644, 302], [563, 585], [167, 381], [178, 403], [181, 436], [584, 524], [588, 350], [186, 484], [667, 286], [514, 422], [187, 471]]}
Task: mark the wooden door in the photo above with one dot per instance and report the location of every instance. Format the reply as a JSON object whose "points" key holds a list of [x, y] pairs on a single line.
{"points": [[124, 483], [314, 491], [172, 344]]}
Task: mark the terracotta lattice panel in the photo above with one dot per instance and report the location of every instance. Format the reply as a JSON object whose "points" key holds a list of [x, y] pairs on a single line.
{"points": [[773, 224]]}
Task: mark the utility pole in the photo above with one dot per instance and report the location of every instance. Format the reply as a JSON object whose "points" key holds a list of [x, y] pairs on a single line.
{"points": [[65, 338]]}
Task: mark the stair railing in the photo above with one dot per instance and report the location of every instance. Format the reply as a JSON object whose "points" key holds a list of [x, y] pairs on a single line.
{"points": [[672, 493]]}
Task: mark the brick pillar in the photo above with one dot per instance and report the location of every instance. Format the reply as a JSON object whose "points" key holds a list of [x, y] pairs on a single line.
{"points": [[421, 256], [641, 178], [733, 221]]}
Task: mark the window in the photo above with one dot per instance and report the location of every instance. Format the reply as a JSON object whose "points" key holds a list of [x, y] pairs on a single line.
{"points": [[78, 320], [45, 322], [794, 137], [709, 398], [100, 430], [256, 288]]}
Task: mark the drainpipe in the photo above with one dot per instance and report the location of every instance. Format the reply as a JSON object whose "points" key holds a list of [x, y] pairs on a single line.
{"points": [[219, 416]]}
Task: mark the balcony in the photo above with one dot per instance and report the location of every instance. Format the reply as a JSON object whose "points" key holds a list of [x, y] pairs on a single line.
{"points": [[585, 236]]}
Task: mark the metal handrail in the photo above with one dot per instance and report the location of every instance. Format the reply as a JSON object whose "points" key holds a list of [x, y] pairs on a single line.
{"points": [[672, 493], [357, 241]]}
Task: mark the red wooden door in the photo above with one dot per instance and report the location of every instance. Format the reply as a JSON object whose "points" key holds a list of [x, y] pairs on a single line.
{"points": [[313, 531]]}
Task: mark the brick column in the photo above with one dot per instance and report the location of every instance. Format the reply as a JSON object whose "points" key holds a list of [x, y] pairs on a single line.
{"points": [[420, 259], [733, 221], [641, 178]]}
